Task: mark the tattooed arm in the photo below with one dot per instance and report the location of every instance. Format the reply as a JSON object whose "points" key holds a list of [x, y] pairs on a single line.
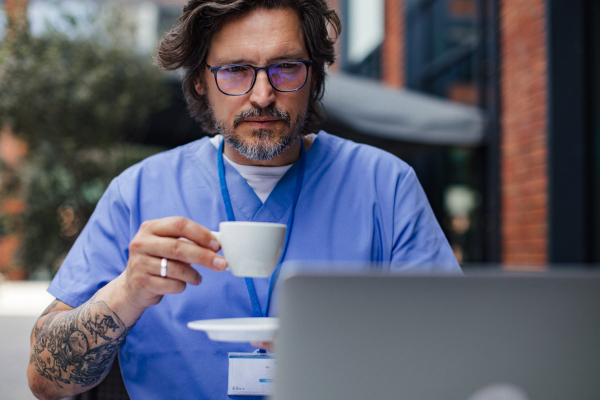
{"points": [[72, 350]]}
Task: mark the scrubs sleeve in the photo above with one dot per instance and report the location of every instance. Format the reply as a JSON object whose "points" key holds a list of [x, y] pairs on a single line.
{"points": [[99, 254], [418, 241]]}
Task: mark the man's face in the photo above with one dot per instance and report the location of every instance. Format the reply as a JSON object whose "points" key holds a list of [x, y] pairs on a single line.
{"points": [[262, 123]]}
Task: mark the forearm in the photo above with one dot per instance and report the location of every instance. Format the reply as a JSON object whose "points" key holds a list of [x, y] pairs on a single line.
{"points": [[72, 351]]}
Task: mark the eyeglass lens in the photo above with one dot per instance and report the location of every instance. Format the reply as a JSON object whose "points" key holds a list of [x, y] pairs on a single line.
{"points": [[285, 76]]}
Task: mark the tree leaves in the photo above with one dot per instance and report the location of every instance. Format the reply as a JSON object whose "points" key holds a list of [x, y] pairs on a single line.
{"points": [[74, 102]]}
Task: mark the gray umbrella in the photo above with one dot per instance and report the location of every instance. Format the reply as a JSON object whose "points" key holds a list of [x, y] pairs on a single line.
{"points": [[374, 109]]}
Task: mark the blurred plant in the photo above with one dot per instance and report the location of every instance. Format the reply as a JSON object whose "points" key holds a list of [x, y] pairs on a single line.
{"points": [[73, 101]]}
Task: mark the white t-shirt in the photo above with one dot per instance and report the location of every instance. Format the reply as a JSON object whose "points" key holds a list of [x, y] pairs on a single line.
{"points": [[261, 179]]}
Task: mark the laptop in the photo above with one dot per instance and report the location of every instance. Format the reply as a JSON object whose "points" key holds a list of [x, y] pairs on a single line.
{"points": [[357, 337]]}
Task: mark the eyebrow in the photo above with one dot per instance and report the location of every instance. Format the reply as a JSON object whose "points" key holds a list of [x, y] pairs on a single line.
{"points": [[287, 57]]}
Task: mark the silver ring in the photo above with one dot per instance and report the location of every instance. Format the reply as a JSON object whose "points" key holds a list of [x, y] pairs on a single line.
{"points": [[163, 267]]}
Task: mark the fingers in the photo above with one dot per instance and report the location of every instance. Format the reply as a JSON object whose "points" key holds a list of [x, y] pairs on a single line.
{"points": [[183, 251], [161, 286], [263, 345], [145, 285], [147, 265], [180, 271], [152, 288], [177, 227], [181, 242], [178, 239]]}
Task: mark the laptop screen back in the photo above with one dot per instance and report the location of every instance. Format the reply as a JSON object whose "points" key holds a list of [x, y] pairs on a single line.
{"points": [[431, 338]]}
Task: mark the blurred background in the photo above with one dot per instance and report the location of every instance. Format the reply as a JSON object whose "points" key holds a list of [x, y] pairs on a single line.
{"points": [[524, 190], [494, 103]]}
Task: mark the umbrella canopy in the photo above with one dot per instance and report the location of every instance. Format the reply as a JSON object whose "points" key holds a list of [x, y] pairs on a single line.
{"points": [[404, 115]]}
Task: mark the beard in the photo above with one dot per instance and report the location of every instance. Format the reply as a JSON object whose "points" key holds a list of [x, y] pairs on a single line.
{"points": [[262, 145]]}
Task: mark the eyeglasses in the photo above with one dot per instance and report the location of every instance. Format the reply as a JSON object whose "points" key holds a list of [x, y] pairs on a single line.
{"points": [[238, 79]]}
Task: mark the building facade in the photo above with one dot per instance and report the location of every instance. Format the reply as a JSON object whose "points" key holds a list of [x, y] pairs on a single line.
{"points": [[529, 193], [532, 67]]}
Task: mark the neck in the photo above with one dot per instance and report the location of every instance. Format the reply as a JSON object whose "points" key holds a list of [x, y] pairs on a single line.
{"points": [[287, 157]]}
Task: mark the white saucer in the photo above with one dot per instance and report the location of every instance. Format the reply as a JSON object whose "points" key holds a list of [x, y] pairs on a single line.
{"points": [[238, 329]]}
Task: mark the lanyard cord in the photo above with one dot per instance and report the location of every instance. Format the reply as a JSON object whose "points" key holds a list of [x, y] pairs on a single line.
{"points": [[256, 309]]}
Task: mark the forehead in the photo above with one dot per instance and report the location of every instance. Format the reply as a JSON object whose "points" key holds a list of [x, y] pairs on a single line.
{"points": [[257, 37]]}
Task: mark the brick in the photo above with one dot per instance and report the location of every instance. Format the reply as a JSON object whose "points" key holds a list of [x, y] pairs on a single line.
{"points": [[393, 64], [524, 154]]}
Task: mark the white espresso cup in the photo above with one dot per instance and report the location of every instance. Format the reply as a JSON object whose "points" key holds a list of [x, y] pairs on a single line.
{"points": [[252, 249]]}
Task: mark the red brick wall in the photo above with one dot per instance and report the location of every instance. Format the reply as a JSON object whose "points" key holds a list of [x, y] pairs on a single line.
{"points": [[523, 132], [392, 59]]}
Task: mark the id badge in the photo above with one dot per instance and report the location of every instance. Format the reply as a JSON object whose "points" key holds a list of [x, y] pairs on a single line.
{"points": [[251, 374]]}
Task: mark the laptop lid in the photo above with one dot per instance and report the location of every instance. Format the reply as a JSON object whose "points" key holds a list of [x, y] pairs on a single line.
{"points": [[438, 337]]}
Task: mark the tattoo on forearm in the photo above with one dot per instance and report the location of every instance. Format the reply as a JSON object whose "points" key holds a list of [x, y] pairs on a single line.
{"points": [[77, 346], [50, 308], [47, 311]]}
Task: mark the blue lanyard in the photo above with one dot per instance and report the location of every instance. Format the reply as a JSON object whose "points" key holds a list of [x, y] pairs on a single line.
{"points": [[256, 310]]}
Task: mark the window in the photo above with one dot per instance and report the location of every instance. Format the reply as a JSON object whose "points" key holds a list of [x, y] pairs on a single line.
{"points": [[450, 46]]}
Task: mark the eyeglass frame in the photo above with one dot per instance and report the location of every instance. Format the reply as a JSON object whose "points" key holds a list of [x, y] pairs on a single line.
{"points": [[216, 69]]}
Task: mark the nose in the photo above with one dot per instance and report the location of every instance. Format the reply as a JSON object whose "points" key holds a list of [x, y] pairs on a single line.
{"points": [[262, 94]]}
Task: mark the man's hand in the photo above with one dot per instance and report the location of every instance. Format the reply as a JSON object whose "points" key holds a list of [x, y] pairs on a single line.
{"points": [[182, 242], [263, 345], [72, 349]]}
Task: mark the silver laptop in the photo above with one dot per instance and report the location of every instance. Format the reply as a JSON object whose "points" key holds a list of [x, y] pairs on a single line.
{"points": [[433, 338]]}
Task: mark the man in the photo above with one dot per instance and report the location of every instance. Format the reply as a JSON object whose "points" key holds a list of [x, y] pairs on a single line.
{"points": [[254, 72]]}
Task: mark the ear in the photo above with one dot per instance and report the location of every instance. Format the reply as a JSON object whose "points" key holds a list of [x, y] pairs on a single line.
{"points": [[199, 87]]}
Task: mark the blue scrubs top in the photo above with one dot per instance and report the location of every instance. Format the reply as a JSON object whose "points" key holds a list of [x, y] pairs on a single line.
{"points": [[357, 204]]}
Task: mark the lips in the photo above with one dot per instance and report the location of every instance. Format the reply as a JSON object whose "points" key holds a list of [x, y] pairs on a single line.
{"points": [[261, 120]]}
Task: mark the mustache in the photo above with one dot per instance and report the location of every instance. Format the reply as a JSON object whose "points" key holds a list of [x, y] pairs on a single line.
{"points": [[269, 111]]}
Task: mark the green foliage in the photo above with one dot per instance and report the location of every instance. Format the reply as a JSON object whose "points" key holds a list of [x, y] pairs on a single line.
{"points": [[73, 102], [80, 93]]}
